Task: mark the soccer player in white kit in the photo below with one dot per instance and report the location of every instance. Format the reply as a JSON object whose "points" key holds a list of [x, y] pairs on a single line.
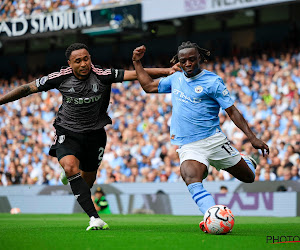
{"points": [[197, 96]]}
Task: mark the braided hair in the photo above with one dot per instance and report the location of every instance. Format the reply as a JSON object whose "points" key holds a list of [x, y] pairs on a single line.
{"points": [[203, 52]]}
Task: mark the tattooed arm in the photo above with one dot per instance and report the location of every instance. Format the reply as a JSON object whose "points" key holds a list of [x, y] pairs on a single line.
{"points": [[19, 92]]}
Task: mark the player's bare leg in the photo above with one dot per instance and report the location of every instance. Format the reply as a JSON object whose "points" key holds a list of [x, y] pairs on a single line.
{"points": [[81, 191], [70, 164], [193, 172], [242, 171], [89, 177]]}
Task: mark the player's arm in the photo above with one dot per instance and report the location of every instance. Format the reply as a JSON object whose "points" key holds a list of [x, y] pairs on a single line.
{"points": [[152, 72], [19, 92], [148, 84], [130, 75], [242, 124]]}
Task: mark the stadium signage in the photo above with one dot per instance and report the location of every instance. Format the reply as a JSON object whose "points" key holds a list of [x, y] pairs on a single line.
{"points": [[181, 8], [45, 23], [252, 201]]}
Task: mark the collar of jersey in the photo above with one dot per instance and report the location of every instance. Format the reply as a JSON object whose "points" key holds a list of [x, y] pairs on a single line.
{"points": [[189, 79]]}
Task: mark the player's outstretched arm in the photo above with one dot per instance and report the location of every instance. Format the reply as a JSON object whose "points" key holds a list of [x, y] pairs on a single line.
{"points": [[19, 92], [130, 75], [242, 124], [148, 84]]}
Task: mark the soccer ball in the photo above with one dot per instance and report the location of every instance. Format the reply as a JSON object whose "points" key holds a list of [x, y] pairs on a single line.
{"points": [[15, 210], [218, 220]]}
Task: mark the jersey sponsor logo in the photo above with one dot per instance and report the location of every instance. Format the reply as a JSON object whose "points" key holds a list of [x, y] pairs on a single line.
{"points": [[84, 100], [184, 98], [95, 87], [41, 81], [225, 92], [61, 139], [198, 89]]}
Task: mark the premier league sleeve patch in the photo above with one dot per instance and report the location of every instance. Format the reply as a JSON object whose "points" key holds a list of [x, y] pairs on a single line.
{"points": [[225, 92], [41, 81]]}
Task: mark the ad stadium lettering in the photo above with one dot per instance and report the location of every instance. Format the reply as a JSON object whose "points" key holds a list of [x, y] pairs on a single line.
{"points": [[44, 23], [220, 3], [248, 201]]}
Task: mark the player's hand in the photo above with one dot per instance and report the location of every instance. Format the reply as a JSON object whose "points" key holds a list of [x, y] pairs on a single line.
{"points": [[138, 53], [259, 144], [175, 67]]}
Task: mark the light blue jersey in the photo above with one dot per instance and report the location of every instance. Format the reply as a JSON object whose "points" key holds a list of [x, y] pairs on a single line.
{"points": [[196, 104]]}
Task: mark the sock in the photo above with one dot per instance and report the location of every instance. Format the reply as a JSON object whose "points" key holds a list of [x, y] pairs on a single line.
{"points": [[250, 164], [82, 193], [202, 198]]}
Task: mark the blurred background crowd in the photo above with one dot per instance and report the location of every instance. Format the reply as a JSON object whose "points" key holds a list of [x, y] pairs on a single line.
{"points": [[25, 8], [266, 90]]}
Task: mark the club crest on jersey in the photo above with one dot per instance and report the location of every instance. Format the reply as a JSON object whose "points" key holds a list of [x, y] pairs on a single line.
{"points": [[61, 139], [198, 89], [95, 87]]}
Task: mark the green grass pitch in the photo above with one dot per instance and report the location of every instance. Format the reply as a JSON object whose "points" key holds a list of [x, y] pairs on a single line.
{"points": [[26, 231]]}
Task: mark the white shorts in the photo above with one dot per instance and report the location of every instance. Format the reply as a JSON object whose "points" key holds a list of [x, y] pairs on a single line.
{"points": [[214, 150]]}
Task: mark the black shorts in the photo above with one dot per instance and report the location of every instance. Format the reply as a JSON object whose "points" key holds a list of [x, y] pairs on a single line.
{"points": [[88, 148]]}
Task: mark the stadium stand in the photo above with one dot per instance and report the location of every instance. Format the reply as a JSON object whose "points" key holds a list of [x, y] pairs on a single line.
{"points": [[14, 9], [265, 87], [266, 90]]}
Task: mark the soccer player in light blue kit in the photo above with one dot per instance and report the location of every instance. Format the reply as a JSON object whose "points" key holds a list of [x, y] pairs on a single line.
{"points": [[197, 96]]}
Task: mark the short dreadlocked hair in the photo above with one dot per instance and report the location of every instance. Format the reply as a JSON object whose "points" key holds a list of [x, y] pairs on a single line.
{"points": [[74, 46], [203, 52]]}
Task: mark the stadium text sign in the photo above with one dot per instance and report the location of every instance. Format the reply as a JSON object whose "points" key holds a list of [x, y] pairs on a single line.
{"points": [[252, 202], [44, 23], [181, 8]]}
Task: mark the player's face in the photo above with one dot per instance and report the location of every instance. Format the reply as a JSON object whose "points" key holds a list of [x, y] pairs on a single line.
{"points": [[80, 62], [189, 60]]}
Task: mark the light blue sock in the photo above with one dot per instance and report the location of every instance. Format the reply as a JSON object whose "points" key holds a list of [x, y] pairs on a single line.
{"points": [[202, 198], [250, 164]]}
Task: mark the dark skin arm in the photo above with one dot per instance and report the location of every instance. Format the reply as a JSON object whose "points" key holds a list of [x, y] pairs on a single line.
{"points": [[148, 84], [19, 92], [242, 124], [130, 75]]}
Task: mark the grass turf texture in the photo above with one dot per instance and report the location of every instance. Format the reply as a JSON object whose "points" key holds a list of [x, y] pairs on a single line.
{"points": [[26, 231]]}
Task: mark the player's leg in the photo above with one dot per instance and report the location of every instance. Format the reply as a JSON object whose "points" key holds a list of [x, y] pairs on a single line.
{"points": [[81, 191], [89, 177], [226, 157], [79, 187], [93, 153], [244, 170], [68, 150], [192, 173], [93, 149]]}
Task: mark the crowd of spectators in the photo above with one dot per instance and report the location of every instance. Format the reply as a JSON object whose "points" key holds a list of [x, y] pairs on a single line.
{"points": [[24, 8], [266, 90]]}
